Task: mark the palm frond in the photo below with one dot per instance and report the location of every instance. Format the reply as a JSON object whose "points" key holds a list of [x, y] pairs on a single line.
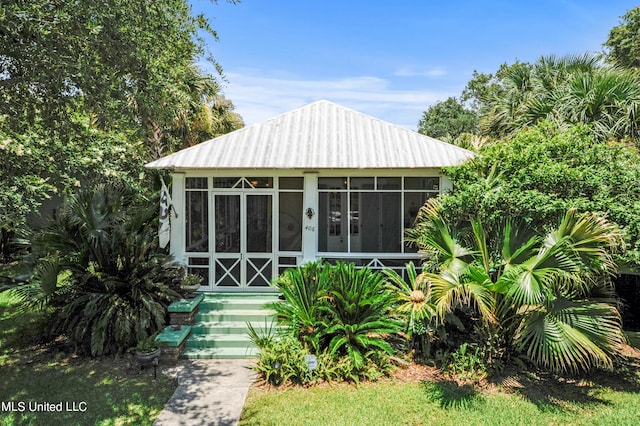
{"points": [[567, 335]]}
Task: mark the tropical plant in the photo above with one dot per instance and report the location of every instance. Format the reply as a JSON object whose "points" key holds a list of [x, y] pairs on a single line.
{"points": [[358, 314], [304, 289], [147, 345], [412, 298], [338, 312], [413, 304], [567, 90], [549, 295], [101, 271]]}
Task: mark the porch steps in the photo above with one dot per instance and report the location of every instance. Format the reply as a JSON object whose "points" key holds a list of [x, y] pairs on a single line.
{"points": [[220, 328]]}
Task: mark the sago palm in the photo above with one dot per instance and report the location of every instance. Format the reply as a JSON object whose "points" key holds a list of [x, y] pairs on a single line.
{"points": [[304, 290], [357, 315], [101, 271]]}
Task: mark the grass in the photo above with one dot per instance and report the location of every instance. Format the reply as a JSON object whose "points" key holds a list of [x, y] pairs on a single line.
{"points": [[600, 399], [103, 391], [442, 403]]}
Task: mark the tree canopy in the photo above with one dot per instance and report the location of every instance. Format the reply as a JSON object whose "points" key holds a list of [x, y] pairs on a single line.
{"points": [[447, 120], [93, 90], [624, 41], [568, 90], [544, 170], [558, 133]]}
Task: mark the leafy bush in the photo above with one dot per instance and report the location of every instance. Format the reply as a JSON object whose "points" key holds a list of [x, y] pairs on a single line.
{"points": [[281, 360], [340, 313], [467, 362], [101, 271], [545, 297]]}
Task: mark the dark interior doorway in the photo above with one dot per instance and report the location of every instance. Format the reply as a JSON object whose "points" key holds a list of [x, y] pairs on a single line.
{"points": [[628, 289]]}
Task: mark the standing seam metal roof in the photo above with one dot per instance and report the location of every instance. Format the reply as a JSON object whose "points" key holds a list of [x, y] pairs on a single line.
{"points": [[320, 135]]}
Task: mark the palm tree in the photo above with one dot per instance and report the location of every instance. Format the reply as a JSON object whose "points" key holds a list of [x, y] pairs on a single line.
{"points": [[567, 90], [548, 296]]}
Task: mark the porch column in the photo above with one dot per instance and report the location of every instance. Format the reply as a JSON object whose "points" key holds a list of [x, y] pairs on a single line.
{"points": [[310, 224], [446, 184], [177, 217]]}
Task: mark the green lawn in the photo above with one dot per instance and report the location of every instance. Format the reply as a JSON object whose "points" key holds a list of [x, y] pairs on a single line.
{"points": [[116, 393], [437, 404], [611, 400], [105, 391]]}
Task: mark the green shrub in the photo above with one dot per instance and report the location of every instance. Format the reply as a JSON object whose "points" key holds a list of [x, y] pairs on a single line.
{"points": [[468, 363], [281, 360], [339, 313], [101, 271]]}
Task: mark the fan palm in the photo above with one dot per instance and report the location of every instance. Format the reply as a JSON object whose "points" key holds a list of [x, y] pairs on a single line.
{"points": [[536, 291]]}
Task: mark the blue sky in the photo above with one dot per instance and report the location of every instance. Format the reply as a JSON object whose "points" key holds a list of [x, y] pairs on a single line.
{"points": [[389, 59]]}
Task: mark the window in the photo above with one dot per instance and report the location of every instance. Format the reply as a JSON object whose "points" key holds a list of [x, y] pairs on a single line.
{"points": [[369, 214], [290, 221], [197, 212]]}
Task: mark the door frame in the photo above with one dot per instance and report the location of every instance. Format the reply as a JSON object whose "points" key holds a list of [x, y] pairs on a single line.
{"points": [[244, 259]]}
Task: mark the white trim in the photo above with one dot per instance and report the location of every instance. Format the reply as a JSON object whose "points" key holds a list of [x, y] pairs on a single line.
{"points": [[177, 242], [310, 225]]}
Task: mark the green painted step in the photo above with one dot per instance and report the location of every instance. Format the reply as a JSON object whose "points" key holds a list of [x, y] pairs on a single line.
{"points": [[220, 330], [233, 315], [219, 353], [208, 305], [203, 341], [227, 327], [240, 296]]}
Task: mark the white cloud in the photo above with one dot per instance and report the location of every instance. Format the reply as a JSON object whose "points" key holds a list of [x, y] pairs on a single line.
{"points": [[409, 72], [258, 96]]}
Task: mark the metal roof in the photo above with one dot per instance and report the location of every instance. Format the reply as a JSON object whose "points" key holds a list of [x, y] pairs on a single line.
{"points": [[320, 135]]}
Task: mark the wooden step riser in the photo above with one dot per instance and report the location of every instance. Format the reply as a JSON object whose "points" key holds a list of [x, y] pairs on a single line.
{"points": [[227, 305], [233, 316]]}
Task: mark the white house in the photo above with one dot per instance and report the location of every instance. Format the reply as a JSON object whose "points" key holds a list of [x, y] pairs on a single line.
{"points": [[321, 181]]}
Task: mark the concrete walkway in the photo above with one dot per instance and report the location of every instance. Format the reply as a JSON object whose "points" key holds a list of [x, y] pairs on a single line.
{"points": [[210, 392]]}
